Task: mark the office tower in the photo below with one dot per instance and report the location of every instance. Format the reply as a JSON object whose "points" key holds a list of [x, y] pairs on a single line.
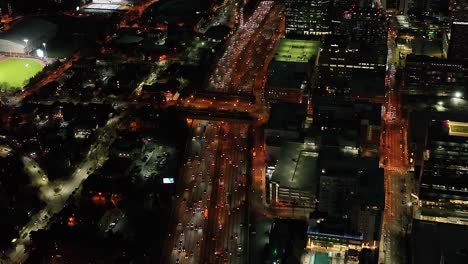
{"points": [[308, 17], [458, 46]]}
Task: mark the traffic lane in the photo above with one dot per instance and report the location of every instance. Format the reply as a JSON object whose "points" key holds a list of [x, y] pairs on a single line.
{"points": [[191, 171], [231, 222]]}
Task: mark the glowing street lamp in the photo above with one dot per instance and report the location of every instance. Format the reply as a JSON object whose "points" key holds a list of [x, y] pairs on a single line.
{"points": [[458, 94]]}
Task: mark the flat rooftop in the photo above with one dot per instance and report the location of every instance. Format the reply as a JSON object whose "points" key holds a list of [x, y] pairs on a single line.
{"points": [[287, 116], [458, 129], [297, 167], [106, 6], [434, 242], [295, 50], [285, 74]]}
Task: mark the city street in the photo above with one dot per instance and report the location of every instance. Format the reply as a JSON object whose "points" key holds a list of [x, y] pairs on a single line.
{"points": [[398, 181], [55, 194]]}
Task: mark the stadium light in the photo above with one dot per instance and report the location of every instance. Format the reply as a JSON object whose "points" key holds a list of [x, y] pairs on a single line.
{"points": [[45, 49], [26, 47], [40, 53]]}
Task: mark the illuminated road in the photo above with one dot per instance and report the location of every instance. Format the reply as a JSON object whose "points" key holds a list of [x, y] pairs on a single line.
{"points": [[135, 12], [395, 160], [210, 211], [236, 70], [225, 14], [55, 194]]}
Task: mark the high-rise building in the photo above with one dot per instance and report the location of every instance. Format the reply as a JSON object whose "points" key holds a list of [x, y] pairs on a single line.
{"points": [[308, 17], [363, 24], [443, 193], [349, 68], [434, 77], [458, 47], [457, 5]]}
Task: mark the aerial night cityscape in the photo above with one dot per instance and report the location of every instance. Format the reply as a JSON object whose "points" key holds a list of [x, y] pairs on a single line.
{"points": [[233, 131]]}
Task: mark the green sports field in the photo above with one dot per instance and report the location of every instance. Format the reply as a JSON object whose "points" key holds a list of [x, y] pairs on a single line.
{"points": [[14, 73]]}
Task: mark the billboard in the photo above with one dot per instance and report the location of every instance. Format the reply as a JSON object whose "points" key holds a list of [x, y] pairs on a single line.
{"points": [[168, 180]]}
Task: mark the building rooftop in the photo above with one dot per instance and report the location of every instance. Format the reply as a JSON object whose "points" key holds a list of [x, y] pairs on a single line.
{"points": [[435, 243], [368, 84], [286, 116], [337, 158], [300, 164], [297, 167], [459, 129], [295, 50], [329, 110], [322, 225], [287, 74]]}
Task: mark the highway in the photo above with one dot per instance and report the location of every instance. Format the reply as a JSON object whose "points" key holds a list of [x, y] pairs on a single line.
{"points": [[246, 50], [250, 68], [210, 212]]}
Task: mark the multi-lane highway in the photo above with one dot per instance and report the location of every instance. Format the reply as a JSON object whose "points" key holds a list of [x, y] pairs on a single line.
{"points": [[246, 50], [210, 212]]}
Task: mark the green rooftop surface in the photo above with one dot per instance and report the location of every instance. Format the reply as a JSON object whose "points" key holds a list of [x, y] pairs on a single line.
{"points": [[459, 129], [295, 50]]}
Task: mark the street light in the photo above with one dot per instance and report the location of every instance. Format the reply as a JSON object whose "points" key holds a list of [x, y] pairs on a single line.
{"points": [[458, 94], [440, 103]]}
